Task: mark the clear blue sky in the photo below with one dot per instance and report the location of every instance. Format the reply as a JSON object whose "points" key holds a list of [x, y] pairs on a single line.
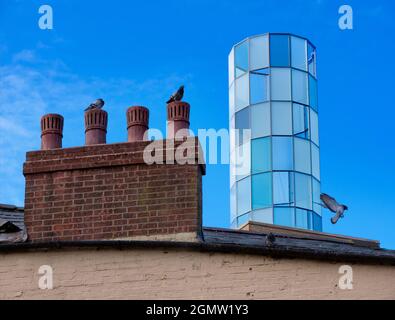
{"points": [[133, 53]]}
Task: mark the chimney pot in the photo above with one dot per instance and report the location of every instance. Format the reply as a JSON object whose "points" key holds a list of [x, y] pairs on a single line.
{"points": [[51, 131], [178, 119], [96, 121], [137, 121]]}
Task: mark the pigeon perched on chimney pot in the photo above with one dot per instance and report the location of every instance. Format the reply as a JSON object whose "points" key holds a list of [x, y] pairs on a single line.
{"points": [[98, 104], [331, 204], [177, 96]]}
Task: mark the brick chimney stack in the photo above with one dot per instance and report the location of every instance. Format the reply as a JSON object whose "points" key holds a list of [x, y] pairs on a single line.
{"points": [[137, 122], [96, 121], [178, 119], [51, 131]]}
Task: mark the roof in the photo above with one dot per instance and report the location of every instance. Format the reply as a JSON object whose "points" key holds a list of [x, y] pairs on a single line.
{"points": [[12, 226]]}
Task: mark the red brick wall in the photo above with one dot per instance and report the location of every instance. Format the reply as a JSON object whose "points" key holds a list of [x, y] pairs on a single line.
{"points": [[108, 192]]}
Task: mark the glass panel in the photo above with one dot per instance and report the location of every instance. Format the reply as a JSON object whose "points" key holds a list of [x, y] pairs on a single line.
{"points": [[263, 215], [233, 224], [232, 99], [233, 210], [299, 53], [260, 120], [303, 191], [316, 197], [243, 220], [282, 118], [243, 160], [301, 219], [317, 222], [284, 217], [243, 122], [242, 93], [313, 93], [315, 159], [243, 196], [302, 156], [259, 54], [311, 56], [279, 51], [241, 58], [301, 121], [261, 191], [299, 86], [282, 153], [261, 155], [259, 86], [282, 188], [281, 84], [314, 127], [231, 66]]}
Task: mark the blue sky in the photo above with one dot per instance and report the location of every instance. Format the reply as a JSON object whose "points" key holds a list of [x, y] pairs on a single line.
{"points": [[136, 53]]}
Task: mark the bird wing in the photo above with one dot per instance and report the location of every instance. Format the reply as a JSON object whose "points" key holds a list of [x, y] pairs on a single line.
{"points": [[329, 202]]}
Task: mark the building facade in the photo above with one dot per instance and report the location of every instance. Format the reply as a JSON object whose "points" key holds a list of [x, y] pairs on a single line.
{"points": [[275, 162]]}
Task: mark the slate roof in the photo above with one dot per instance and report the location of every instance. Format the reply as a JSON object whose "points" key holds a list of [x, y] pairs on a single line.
{"points": [[12, 227]]}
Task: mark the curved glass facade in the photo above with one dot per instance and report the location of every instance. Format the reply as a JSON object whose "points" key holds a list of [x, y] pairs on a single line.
{"points": [[275, 162]]}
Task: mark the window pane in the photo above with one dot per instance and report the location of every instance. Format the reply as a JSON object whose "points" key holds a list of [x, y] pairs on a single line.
{"points": [[263, 215], [259, 86], [243, 220], [241, 58], [231, 66], [282, 188], [301, 219], [303, 191], [302, 156], [243, 160], [261, 155], [233, 212], [313, 93], [242, 123], [279, 51], [260, 120], [301, 121], [314, 127], [315, 159], [311, 54], [243, 196], [259, 54], [261, 191], [282, 153], [284, 217], [299, 86], [317, 223], [281, 84], [282, 118], [316, 197], [242, 93], [232, 99], [299, 53]]}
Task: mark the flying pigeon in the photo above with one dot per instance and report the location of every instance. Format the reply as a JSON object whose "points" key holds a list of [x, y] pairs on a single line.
{"points": [[177, 96], [98, 104], [331, 204]]}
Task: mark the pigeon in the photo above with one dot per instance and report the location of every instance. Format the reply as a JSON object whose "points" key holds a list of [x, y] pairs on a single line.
{"points": [[331, 204], [270, 239], [177, 96], [98, 104]]}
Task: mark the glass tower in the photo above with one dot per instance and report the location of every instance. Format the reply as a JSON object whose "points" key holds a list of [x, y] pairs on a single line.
{"points": [[275, 161]]}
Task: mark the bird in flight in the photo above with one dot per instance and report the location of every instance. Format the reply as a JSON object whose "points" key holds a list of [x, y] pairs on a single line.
{"points": [[98, 104], [335, 207], [177, 96]]}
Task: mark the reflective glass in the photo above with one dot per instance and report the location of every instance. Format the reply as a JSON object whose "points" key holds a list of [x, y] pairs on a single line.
{"points": [[243, 196], [260, 120], [284, 217], [242, 122], [311, 59], [241, 58], [299, 53], [232, 99], [301, 219], [233, 211], [315, 160], [259, 52], [279, 51], [231, 66], [261, 155], [242, 92], [261, 190], [314, 127], [282, 186], [259, 86], [282, 118], [303, 192], [302, 156], [301, 121], [313, 93], [280, 84], [316, 197], [317, 222], [282, 153], [242, 220], [299, 86], [263, 215], [243, 160]]}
